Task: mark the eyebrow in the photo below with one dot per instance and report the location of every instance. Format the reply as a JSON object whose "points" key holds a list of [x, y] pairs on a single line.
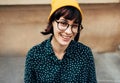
{"points": [[66, 20]]}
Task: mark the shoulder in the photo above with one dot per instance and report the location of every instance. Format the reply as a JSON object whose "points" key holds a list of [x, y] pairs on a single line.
{"points": [[36, 50], [81, 46], [82, 50], [82, 53]]}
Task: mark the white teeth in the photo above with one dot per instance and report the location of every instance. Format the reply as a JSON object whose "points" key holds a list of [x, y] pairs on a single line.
{"points": [[66, 36]]}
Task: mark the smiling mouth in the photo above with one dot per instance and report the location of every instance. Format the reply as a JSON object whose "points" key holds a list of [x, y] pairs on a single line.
{"points": [[66, 38]]}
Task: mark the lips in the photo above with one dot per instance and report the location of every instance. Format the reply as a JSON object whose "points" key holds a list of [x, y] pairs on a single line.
{"points": [[66, 38]]}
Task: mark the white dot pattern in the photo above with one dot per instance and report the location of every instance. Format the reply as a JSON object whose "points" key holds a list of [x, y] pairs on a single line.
{"points": [[77, 65]]}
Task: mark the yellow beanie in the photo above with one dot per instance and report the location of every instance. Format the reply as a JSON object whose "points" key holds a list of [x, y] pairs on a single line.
{"points": [[56, 4]]}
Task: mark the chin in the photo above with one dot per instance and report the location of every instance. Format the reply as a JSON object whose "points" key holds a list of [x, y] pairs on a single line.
{"points": [[64, 43]]}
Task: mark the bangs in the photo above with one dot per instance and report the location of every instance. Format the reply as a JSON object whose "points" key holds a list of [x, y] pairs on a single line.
{"points": [[68, 12], [72, 14]]}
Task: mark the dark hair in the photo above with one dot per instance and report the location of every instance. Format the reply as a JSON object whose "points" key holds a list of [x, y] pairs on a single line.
{"points": [[68, 12]]}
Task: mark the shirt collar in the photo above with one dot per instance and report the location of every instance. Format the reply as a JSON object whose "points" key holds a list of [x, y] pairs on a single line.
{"points": [[48, 47], [49, 51], [69, 50]]}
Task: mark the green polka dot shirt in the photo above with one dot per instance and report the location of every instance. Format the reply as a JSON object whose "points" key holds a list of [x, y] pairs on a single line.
{"points": [[77, 65]]}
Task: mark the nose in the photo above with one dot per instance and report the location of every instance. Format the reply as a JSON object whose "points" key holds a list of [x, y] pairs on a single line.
{"points": [[69, 30]]}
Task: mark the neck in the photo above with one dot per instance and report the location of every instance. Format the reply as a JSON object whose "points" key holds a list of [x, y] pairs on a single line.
{"points": [[58, 49]]}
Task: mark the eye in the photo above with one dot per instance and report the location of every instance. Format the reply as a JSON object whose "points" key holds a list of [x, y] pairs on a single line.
{"points": [[64, 24], [75, 26]]}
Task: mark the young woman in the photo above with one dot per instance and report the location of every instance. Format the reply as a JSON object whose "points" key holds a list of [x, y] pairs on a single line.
{"points": [[61, 58]]}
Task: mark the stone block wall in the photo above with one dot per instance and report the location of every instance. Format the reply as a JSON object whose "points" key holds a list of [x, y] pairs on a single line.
{"points": [[20, 27]]}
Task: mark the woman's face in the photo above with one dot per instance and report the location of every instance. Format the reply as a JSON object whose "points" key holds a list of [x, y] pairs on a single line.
{"points": [[64, 37]]}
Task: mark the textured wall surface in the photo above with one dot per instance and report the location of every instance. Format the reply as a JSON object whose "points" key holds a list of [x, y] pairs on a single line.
{"points": [[14, 2], [102, 27], [20, 27]]}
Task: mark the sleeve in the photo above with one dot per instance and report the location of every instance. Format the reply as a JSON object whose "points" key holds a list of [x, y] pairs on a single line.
{"points": [[91, 68], [29, 73]]}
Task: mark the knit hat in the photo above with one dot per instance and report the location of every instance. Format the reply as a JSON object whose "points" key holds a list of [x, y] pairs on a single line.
{"points": [[56, 4]]}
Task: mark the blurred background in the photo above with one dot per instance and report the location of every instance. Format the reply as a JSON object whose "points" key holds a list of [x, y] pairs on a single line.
{"points": [[21, 22]]}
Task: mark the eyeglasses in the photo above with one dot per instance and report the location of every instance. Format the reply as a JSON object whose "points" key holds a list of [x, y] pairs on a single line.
{"points": [[62, 25]]}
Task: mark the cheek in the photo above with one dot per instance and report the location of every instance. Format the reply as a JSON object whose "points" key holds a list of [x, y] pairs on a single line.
{"points": [[55, 29], [74, 35]]}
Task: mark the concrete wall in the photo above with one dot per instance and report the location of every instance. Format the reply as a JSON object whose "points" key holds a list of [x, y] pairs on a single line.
{"points": [[102, 27], [20, 27], [14, 2]]}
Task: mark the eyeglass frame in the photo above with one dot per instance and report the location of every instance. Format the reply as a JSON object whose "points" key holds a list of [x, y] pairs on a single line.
{"points": [[81, 27]]}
